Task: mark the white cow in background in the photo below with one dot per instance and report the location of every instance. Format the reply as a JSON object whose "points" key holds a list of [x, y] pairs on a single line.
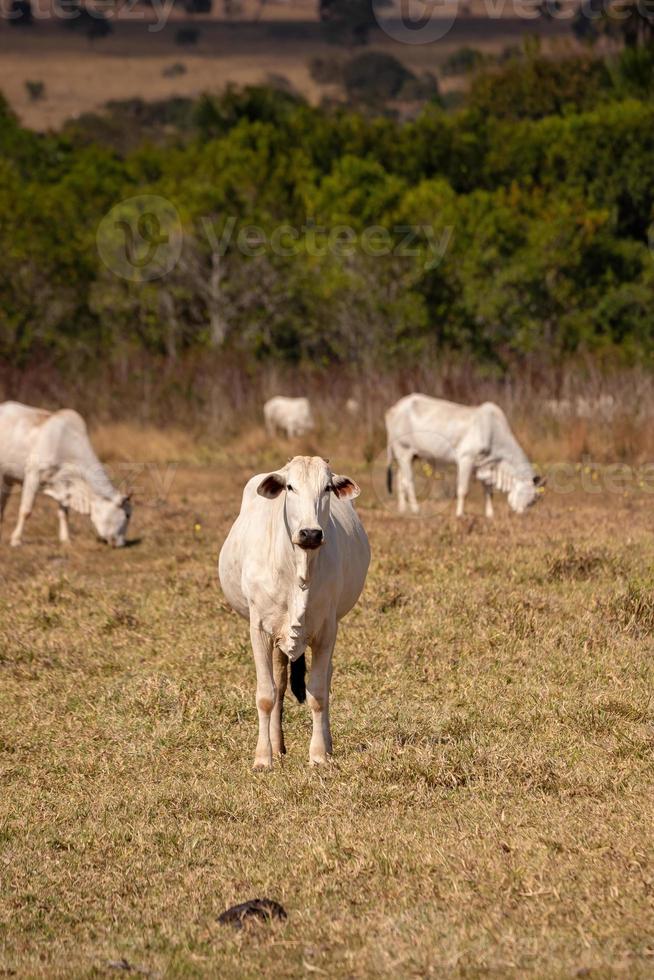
{"points": [[50, 452], [602, 408], [294, 563], [352, 407], [478, 439], [292, 416]]}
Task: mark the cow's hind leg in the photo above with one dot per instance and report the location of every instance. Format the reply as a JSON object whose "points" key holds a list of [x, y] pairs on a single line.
{"points": [[280, 677], [318, 687], [30, 487], [262, 647], [411, 487], [405, 485], [5, 490]]}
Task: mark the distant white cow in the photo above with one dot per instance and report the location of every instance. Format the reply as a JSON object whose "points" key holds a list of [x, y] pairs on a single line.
{"points": [[50, 452], [478, 439], [293, 564], [292, 416], [352, 407]]}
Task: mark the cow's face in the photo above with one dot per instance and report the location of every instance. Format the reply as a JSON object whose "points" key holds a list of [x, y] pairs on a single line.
{"points": [[110, 519], [308, 483], [524, 493]]}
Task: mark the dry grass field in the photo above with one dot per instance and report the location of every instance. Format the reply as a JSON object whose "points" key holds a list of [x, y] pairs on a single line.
{"points": [[490, 807], [81, 76]]}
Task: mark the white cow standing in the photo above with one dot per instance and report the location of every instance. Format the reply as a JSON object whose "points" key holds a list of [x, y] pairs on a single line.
{"points": [[294, 563], [477, 438], [292, 416], [50, 452]]}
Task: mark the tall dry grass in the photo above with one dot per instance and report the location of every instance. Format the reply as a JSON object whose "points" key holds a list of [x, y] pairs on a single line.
{"points": [[206, 403]]}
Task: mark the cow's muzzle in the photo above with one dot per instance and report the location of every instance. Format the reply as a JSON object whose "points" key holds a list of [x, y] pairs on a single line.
{"points": [[309, 538]]}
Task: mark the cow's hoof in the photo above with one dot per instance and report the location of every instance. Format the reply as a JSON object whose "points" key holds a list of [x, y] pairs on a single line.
{"points": [[15, 544], [262, 766], [320, 759]]}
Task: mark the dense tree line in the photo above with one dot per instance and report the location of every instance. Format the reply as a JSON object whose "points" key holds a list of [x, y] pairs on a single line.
{"points": [[516, 226]]}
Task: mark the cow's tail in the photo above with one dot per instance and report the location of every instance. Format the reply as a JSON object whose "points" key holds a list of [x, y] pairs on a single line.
{"points": [[389, 468], [298, 678]]}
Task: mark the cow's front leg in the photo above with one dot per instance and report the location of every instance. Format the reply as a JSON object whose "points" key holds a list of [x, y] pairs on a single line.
{"points": [[488, 497], [318, 688], [463, 484], [280, 677], [64, 534], [262, 647], [30, 487], [401, 492]]}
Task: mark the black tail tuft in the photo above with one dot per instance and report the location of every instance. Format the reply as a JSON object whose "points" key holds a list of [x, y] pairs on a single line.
{"points": [[298, 678], [389, 478]]}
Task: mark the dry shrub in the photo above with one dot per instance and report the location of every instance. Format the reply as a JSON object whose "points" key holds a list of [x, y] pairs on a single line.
{"points": [[576, 563], [632, 610]]}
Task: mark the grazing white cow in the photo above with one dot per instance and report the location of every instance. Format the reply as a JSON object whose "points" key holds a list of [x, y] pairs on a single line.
{"points": [[50, 452], [294, 563], [292, 416], [478, 439]]}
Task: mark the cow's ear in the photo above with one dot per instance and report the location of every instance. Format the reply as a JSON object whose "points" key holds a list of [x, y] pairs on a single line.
{"points": [[271, 486], [345, 487]]}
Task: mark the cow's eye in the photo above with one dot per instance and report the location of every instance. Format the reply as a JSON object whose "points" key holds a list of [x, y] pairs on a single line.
{"points": [[329, 488]]}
